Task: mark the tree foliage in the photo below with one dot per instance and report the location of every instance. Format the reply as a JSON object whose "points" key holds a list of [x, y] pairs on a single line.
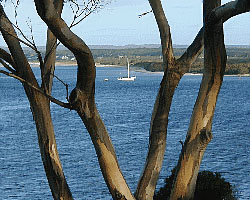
{"points": [[209, 185], [82, 97]]}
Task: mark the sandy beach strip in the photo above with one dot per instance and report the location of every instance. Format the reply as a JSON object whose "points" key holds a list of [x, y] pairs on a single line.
{"points": [[59, 64]]}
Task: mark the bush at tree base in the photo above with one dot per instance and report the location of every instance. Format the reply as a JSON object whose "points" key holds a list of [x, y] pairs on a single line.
{"points": [[209, 186]]}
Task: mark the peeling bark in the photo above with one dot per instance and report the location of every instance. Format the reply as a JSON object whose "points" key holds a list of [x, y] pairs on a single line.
{"points": [[53, 168], [199, 132], [83, 101], [50, 54], [41, 113], [174, 70], [112, 174]]}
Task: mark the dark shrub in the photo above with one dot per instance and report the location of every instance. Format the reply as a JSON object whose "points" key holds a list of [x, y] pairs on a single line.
{"points": [[209, 186], [164, 192]]}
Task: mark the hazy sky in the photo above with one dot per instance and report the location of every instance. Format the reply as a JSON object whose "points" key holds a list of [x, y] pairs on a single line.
{"points": [[119, 24]]}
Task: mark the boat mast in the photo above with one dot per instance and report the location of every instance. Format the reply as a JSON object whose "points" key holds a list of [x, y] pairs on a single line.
{"points": [[128, 67]]}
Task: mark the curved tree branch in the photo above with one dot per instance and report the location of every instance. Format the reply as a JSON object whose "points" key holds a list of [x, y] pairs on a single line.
{"points": [[192, 52], [230, 10], [174, 70], [40, 108], [221, 13], [86, 66], [6, 66], [165, 34], [52, 99], [9, 35], [199, 132], [48, 69], [7, 58], [158, 126], [83, 101]]}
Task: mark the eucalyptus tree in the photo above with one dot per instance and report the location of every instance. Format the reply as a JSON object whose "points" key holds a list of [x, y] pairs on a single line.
{"points": [[199, 132], [82, 97], [39, 96]]}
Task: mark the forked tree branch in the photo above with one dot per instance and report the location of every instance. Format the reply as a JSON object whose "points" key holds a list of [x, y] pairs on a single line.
{"points": [[41, 113], [86, 67], [192, 52], [230, 10], [83, 101], [172, 75], [40, 108], [21, 63], [7, 57], [81, 13], [7, 66], [199, 131], [165, 34], [221, 13]]}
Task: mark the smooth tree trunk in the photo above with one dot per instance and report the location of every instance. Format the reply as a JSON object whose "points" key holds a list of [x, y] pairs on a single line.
{"points": [[199, 132], [40, 108], [174, 70], [50, 54], [82, 99], [49, 62]]}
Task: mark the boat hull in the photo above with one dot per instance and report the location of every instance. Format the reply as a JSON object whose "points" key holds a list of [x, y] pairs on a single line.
{"points": [[126, 78]]}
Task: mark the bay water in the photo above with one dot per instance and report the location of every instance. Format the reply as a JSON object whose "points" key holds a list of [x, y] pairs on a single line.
{"points": [[126, 109]]}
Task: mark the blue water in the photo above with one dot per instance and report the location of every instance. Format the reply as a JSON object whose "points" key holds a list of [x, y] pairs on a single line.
{"points": [[126, 109]]}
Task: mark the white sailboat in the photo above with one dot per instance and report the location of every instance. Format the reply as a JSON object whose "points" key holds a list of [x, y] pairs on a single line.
{"points": [[132, 78]]}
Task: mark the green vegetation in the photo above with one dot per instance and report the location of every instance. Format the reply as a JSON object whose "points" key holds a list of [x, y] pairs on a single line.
{"points": [[151, 58], [238, 62], [209, 186]]}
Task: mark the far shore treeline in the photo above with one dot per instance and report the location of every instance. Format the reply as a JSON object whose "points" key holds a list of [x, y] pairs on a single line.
{"points": [[149, 57]]}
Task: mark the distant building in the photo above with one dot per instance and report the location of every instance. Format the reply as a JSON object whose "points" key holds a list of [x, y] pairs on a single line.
{"points": [[65, 57]]}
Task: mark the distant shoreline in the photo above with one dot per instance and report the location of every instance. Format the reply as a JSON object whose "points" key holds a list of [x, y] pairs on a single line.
{"points": [[59, 64], [200, 74]]}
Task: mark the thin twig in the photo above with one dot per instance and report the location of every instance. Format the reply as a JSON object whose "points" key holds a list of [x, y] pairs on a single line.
{"points": [[145, 13], [6, 57], [87, 9], [65, 84], [30, 43], [55, 45], [16, 24], [20, 40], [52, 99], [7, 66], [31, 32]]}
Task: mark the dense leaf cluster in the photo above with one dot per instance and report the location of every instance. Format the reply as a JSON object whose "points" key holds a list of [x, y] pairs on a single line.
{"points": [[239, 67], [209, 185]]}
